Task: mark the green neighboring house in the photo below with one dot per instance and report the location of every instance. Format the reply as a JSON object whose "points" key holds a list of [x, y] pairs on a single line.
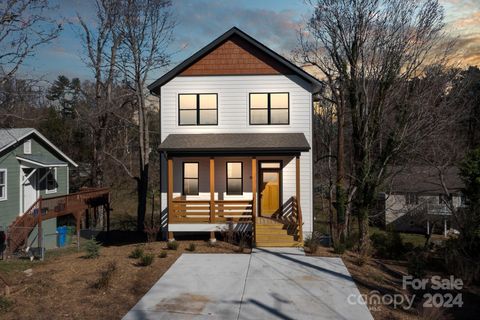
{"points": [[30, 167]]}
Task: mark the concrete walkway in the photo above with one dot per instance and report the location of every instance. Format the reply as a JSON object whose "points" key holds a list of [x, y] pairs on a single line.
{"points": [[268, 284]]}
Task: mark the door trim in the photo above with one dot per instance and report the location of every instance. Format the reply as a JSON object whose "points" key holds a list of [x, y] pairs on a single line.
{"points": [[260, 179], [21, 185]]}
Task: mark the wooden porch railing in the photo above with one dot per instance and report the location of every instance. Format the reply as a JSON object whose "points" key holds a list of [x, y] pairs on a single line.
{"points": [[52, 207], [199, 211], [290, 214]]}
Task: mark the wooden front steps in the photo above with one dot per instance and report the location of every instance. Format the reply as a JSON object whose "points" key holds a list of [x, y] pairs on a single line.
{"points": [[272, 233]]}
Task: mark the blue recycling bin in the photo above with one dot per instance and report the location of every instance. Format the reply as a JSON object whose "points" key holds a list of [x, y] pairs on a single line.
{"points": [[62, 236]]}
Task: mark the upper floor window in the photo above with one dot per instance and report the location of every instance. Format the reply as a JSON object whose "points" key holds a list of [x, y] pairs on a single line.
{"points": [[27, 147], [234, 178], [51, 181], [269, 108], [197, 109], [190, 178], [3, 184]]}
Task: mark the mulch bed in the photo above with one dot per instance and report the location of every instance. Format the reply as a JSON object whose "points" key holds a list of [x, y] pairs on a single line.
{"points": [[62, 287]]}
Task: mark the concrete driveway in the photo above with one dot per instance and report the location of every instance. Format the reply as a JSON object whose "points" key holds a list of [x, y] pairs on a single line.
{"points": [[268, 284]]}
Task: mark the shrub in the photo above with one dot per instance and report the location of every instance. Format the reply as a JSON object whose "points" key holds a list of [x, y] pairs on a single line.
{"points": [[5, 304], [361, 260], [311, 244], [339, 248], [351, 241], [417, 263], [389, 245], [151, 231], [92, 249], [242, 244], [147, 259], [136, 253], [172, 245], [163, 254], [191, 247], [458, 263], [106, 276]]}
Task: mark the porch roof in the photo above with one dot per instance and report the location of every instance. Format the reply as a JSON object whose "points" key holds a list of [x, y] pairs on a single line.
{"points": [[41, 161], [235, 143]]}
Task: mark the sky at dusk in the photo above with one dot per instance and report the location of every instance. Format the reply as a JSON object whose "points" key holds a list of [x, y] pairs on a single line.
{"points": [[272, 22]]}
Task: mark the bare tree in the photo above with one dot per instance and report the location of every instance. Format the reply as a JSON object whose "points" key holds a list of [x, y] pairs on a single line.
{"points": [[102, 45], [24, 25], [147, 26], [370, 51]]}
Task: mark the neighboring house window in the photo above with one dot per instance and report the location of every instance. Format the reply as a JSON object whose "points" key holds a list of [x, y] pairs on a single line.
{"points": [[269, 108], [51, 181], [411, 198], [190, 178], [464, 202], [3, 184], [27, 147], [234, 178], [443, 198], [197, 109]]}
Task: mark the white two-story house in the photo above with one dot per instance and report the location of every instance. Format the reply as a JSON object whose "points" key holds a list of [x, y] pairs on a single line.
{"points": [[236, 132]]}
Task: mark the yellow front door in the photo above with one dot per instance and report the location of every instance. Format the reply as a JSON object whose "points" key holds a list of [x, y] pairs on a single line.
{"points": [[269, 192]]}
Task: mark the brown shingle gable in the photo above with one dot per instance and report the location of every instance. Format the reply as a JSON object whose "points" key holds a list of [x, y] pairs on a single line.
{"points": [[235, 56]]}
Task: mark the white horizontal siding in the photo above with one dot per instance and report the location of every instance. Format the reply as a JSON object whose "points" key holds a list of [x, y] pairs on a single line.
{"points": [[233, 117]]}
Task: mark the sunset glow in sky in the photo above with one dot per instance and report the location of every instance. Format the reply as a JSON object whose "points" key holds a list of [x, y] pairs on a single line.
{"points": [[272, 22]]}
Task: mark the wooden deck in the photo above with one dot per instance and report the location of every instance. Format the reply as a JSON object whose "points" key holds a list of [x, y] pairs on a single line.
{"points": [[75, 204]]}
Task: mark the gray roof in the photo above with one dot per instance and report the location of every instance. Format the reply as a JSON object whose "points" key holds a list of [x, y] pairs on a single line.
{"points": [[239, 143], [43, 160], [424, 179], [9, 136]]}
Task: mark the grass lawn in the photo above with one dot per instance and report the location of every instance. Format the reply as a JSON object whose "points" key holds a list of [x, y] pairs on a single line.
{"points": [[417, 240]]}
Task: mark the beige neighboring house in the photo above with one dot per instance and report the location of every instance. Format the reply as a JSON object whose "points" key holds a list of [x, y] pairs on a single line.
{"points": [[416, 200]]}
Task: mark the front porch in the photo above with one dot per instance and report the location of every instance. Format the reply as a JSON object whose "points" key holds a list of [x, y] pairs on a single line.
{"points": [[254, 209]]}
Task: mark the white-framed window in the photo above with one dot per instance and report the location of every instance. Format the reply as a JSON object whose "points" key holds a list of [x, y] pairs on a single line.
{"points": [[3, 184], [51, 181], [27, 147]]}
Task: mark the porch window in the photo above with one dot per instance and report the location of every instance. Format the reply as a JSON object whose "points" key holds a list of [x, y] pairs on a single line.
{"points": [[197, 109], [269, 108], [190, 178], [51, 181], [3, 184], [234, 178]]}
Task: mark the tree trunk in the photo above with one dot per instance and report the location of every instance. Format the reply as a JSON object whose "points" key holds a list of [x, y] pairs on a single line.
{"points": [[144, 144], [364, 244], [142, 193], [340, 183]]}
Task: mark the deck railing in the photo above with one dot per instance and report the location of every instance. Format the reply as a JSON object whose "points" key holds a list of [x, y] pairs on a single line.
{"points": [[51, 207], [201, 211]]}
